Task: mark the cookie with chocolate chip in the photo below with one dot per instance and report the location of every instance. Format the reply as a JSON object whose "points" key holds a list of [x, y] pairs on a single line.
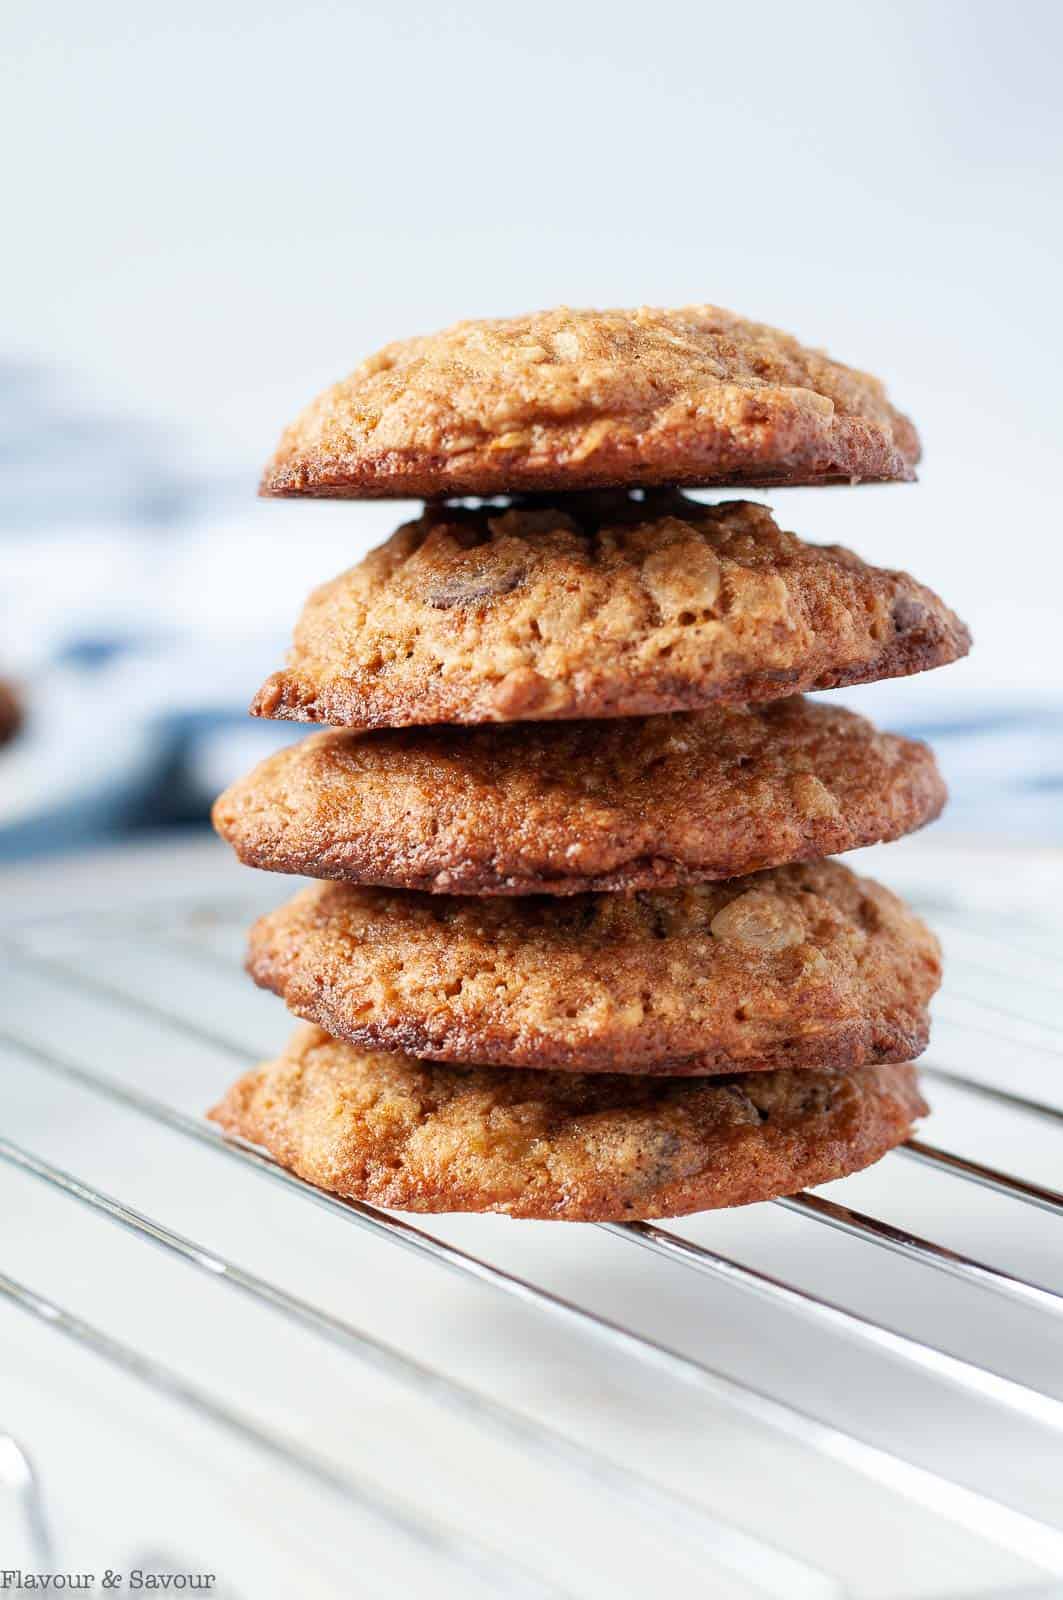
{"points": [[803, 966], [417, 1136], [598, 606]]}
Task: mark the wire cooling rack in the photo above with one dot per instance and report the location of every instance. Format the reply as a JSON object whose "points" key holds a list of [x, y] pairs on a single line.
{"points": [[858, 1390]]}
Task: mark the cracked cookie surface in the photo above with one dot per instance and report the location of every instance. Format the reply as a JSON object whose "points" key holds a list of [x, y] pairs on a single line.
{"points": [[569, 399], [418, 1136], [563, 808], [804, 966], [598, 606]]}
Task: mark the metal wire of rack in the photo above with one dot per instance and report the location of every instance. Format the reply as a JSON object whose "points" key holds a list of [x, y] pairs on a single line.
{"points": [[114, 962]]}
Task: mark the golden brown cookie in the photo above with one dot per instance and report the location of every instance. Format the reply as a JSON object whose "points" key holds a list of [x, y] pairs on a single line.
{"points": [[561, 808], [421, 1137], [804, 966], [605, 606], [565, 399]]}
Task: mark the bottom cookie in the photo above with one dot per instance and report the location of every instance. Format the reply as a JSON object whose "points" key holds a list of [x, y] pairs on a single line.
{"points": [[419, 1136]]}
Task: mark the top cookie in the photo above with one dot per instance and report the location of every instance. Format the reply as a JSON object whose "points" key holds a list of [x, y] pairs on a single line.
{"points": [[598, 606], [567, 399]]}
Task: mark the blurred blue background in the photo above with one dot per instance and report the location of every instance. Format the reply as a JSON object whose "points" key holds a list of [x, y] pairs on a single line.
{"points": [[221, 209]]}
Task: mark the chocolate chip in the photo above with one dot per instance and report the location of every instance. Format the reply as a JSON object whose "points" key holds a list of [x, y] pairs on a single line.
{"points": [[470, 588], [656, 917], [659, 1153], [907, 614]]}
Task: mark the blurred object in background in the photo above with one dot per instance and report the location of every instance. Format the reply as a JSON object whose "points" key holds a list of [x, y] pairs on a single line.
{"points": [[10, 711], [134, 599]]}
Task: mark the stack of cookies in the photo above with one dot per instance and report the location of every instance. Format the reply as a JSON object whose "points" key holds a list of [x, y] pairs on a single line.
{"points": [[577, 951]]}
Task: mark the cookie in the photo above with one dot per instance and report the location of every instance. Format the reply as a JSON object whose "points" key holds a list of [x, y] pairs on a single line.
{"points": [[562, 808], [600, 607], [803, 966], [422, 1137], [565, 399]]}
